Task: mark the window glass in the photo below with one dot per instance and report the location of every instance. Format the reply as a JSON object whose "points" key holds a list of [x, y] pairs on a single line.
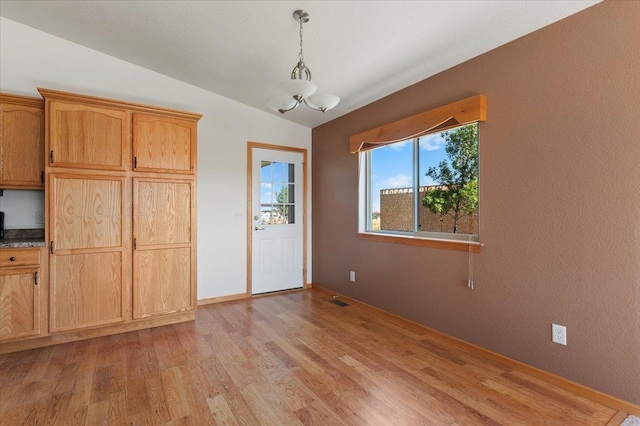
{"points": [[392, 187], [277, 192], [427, 185]]}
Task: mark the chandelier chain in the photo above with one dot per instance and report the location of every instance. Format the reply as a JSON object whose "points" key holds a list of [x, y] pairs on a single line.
{"points": [[301, 54], [300, 88]]}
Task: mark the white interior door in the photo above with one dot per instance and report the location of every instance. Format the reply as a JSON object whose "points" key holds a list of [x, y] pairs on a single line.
{"points": [[277, 220]]}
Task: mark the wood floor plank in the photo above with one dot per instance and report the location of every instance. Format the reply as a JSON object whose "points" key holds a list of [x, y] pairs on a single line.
{"points": [[84, 374], [317, 414], [234, 398], [199, 412], [173, 388], [98, 412], [158, 409], [220, 410], [432, 405], [117, 408], [136, 395], [285, 359], [266, 412], [575, 402]]}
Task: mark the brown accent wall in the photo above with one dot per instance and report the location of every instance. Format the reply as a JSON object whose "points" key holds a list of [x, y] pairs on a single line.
{"points": [[559, 213]]}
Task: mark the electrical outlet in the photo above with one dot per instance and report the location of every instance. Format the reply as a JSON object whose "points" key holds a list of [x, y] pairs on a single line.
{"points": [[40, 218], [352, 276], [559, 334]]}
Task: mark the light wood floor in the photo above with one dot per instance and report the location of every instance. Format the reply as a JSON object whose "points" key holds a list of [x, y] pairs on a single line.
{"points": [[286, 359]]}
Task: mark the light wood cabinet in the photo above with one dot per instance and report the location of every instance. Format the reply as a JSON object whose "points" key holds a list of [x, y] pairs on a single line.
{"points": [[21, 142], [87, 136], [162, 281], [87, 290], [19, 293], [86, 211], [89, 259], [164, 253], [121, 209], [12, 258], [163, 211], [164, 144]]}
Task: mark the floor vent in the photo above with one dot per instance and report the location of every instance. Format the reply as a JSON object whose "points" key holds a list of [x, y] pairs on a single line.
{"points": [[339, 302]]}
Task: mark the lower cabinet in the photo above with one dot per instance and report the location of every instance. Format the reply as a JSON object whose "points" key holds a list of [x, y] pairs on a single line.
{"points": [[20, 300], [162, 281], [87, 290]]}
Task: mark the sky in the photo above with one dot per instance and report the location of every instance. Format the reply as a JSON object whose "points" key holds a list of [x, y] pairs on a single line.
{"points": [[392, 165], [391, 168]]}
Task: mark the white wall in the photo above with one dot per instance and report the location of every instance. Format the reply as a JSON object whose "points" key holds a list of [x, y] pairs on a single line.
{"points": [[20, 208], [30, 58]]}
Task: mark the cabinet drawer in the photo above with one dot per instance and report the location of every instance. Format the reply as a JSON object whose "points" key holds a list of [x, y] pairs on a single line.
{"points": [[19, 257]]}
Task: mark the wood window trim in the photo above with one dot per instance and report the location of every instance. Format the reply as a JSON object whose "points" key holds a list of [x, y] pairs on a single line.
{"points": [[448, 116], [410, 240]]}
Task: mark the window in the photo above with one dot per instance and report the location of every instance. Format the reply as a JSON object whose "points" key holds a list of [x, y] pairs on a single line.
{"points": [[419, 178], [426, 186], [277, 191]]}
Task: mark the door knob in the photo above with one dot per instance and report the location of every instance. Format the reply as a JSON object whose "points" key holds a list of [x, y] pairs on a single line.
{"points": [[258, 228]]}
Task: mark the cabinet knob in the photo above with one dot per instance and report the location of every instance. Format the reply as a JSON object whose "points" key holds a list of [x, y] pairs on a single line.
{"points": [[12, 259]]}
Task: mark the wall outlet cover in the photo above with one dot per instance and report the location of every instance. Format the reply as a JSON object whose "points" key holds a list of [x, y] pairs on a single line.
{"points": [[559, 334]]}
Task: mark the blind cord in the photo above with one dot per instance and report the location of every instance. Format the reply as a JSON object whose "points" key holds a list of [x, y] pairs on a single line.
{"points": [[470, 276]]}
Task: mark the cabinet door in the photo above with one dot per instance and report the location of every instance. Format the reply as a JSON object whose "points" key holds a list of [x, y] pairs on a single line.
{"points": [[164, 278], [19, 303], [164, 144], [86, 290], [90, 260], [22, 146], [162, 281], [83, 136]]}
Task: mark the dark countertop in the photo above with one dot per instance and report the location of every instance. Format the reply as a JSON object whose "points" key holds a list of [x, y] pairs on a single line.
{"points": [[21, 242], [22, 238]]}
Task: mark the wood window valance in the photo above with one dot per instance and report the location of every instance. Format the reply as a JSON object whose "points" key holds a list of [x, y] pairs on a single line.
{"points": [[455, 114]]}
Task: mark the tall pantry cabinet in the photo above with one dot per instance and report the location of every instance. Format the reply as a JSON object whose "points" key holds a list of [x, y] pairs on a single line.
{"points": [[120, 181]]}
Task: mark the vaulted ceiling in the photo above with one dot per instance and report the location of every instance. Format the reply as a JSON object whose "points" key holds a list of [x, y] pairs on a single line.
{"points": [[359, 50]]}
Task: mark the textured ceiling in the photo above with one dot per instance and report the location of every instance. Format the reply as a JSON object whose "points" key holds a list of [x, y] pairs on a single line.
{"points": [[359, 50]]}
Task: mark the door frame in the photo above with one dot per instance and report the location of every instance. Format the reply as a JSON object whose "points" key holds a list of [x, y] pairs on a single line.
{"points": [[303, 151]]}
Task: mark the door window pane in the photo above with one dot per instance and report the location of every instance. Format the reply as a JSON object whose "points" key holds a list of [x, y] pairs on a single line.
{"points": [[277, 193]]}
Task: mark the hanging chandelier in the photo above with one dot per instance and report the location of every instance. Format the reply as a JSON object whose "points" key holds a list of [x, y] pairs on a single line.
{"points": [[299, 88]]}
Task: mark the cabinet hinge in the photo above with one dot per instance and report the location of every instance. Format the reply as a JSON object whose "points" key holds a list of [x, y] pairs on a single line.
{"points": [[42, 176], [134, 244], [35, 278], [51, 157], [135, 162], [51, 247]]}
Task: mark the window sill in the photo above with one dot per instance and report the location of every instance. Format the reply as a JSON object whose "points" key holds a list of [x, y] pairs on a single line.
{"points": [[467, 246]]}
